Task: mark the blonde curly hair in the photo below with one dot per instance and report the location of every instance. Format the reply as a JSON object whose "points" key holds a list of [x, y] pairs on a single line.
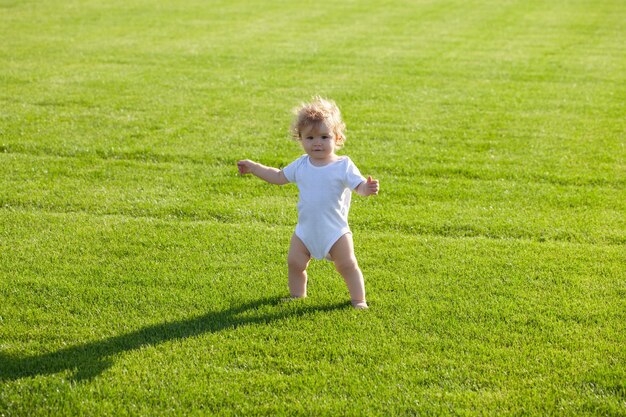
{"points": [[318, 110]]}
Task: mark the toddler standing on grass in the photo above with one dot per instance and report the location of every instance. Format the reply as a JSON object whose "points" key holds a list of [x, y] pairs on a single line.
{"points": [[325, 182]]}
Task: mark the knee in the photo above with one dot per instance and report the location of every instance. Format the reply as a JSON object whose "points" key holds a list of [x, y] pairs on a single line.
{"points": [[297, 263], [348, 264]]}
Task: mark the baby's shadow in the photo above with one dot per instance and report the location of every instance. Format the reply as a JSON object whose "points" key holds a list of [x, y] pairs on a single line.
{"points": [[89, 360]]}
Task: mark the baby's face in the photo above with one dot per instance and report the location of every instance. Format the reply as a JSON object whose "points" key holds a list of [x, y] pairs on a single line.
{"points": [[318, 141]]}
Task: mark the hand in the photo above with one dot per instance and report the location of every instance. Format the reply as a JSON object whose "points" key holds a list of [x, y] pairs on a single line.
{"points": [[371, 186], [245, 166]]}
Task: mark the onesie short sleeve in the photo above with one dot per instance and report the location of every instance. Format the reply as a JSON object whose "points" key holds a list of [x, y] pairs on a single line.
{"points": [[291, 170], [353, 176]]}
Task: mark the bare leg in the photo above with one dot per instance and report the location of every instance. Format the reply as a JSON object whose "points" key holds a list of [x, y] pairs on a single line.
{"points": [[297, 260], [346, 264]]}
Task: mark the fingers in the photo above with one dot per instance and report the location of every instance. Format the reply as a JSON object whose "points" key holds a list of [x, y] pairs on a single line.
{"points": [[242, 166], [372, 185]]}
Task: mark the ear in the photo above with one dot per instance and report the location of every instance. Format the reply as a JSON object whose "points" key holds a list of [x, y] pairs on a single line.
{"points": [[338, 137]]}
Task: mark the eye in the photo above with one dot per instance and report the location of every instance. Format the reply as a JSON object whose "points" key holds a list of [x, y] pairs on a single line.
{"points": [[325, 137], [309, 137]]}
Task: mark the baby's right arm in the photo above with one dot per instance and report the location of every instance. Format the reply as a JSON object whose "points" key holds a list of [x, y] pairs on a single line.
{"points": [[269, 174]]}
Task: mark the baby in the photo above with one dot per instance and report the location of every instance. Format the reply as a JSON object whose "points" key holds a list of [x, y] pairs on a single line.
{"points": [[325, 182]]}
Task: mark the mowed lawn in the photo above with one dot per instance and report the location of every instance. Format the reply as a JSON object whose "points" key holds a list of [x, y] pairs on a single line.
{"points": [[141, 275]]}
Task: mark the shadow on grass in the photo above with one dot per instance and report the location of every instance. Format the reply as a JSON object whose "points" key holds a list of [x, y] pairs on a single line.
{"points": [[91, 359]]}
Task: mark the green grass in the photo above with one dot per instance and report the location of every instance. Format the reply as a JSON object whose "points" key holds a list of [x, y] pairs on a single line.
{"points": [[140, 275]]}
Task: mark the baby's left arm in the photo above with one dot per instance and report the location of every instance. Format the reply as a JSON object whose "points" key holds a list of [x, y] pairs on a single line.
{"points": [[366, 188]]}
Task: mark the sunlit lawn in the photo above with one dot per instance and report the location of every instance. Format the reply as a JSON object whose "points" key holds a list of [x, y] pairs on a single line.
{"points": [[140, 275]]}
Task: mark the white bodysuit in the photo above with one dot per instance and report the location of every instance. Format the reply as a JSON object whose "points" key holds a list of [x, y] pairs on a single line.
{"points": [[325, 194]]}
